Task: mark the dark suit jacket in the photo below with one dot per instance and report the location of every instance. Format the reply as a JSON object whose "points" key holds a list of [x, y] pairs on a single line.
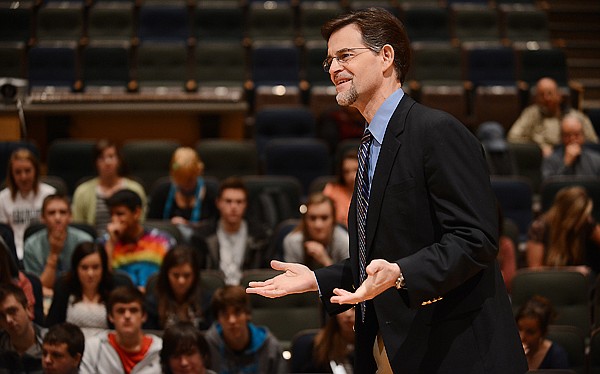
{"points": [[256, 255], [432, 211]]}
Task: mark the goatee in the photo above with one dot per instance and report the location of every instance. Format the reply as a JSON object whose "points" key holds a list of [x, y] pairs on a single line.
{"points": [[347, 98]]}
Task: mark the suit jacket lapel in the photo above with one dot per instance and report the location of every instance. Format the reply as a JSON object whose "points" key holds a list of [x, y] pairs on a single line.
{"points": [[387, 156]]}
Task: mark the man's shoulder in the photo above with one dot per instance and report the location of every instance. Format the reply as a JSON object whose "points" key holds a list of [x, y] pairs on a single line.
{"points": [[435, 117], [36, 237], [258, 230], [40, 332], [78, 234], [155, 235], [206, 227], [5, 344], [157, 342]]}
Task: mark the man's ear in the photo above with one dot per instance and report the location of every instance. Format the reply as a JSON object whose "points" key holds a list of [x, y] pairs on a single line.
{"points": [[388, 55], [30, 311], [78, 358], [110, 318], [137, 213]]}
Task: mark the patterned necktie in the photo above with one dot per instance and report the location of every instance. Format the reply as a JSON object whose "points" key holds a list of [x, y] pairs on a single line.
{"points": [[362, 206]]}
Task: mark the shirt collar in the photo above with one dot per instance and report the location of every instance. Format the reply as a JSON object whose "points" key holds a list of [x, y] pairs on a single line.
{"points": [[380, 121]]}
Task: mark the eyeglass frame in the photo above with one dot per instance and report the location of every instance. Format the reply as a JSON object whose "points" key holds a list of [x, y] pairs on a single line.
{"points": [[344, 60]]}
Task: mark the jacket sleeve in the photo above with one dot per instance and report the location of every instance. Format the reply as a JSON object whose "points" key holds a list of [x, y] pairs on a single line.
{"points": [[58, 308], [338, 275]]}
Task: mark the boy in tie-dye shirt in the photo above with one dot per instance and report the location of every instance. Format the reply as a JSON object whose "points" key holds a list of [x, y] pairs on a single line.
{"points": [[130, 247]]}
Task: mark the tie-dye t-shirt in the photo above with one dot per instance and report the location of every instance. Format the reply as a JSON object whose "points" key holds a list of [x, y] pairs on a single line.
{"points": [[142, 259]]}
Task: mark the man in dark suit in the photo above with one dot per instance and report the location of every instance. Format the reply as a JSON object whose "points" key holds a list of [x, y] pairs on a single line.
{"points": [[431, 296]]}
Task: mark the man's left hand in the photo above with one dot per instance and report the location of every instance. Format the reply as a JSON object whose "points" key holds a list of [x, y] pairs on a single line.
{"points": [[381, 275]]}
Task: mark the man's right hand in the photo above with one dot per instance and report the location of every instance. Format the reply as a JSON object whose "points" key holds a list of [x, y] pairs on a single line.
{"points": [[572, 151], [297, 279], [114, 230], [56, 239]]}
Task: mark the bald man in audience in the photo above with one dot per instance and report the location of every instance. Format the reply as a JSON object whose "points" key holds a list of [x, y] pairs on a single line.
{"points": [[572, 158], [539, 123]]}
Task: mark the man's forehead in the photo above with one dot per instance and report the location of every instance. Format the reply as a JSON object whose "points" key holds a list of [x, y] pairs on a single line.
{"points": [[131, 305], [233, 193], [61, 347], [348, 36], [10, 301]]}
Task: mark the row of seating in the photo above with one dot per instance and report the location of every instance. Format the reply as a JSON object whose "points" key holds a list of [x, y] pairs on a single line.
{"points": [[299, 166], [152, 67], [295, 152], [177, 21]]}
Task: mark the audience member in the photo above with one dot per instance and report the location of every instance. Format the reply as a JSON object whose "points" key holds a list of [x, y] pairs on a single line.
{"points": [[185, 199], [10, 274], [62, 349], [131, 247], [236, 344], [231, 243], [317, 241], [567, 234], [539, 123], [20, 338], [572, 158], [21, 200], [81, 293], [48, 251], [533, 319], [89, 198], [185, 351], [177, 295], [332, 349], [341, 190], [126, 349]]}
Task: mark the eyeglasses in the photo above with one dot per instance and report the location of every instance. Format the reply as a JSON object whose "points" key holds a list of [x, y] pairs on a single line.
{"points": [[343, 56]]}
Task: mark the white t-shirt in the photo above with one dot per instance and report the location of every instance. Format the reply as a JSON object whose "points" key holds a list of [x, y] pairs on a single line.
{"points": [[22, 211]]}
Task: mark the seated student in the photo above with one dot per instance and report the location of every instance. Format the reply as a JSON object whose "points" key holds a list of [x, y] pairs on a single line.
{"points": [[236, 344], [331, 350], [566, 234], [20, 338], [231, 243], [10, 274], [177, 295], [89, 198], [126, 349], [533, 319], [80, 294], [341, 190], [62, 349], [185, 351], [185, 199], [131, 248], [21, 200], [48, 251], [317, 241]]}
